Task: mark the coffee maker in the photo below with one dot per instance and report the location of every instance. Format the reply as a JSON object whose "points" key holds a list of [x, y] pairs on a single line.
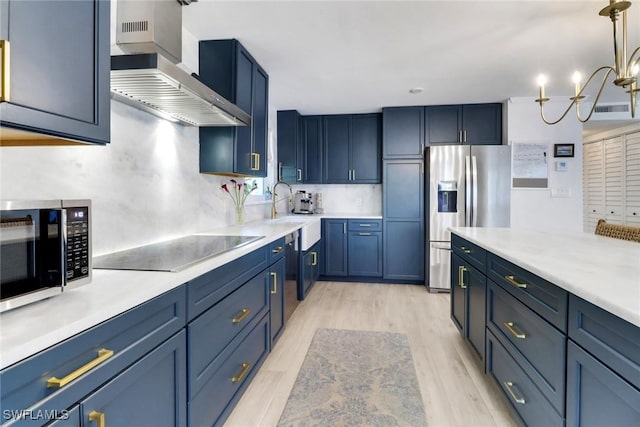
{"points": [[302, 203]]}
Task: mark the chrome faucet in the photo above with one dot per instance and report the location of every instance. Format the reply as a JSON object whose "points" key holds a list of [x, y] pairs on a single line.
{"points": [[273, 199]]}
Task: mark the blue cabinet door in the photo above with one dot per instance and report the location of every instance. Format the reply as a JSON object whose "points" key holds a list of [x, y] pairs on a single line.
{"points": [[476, 283], [289, 146], [259, 122], [152, 392], [403, 250], [365, 253], [59, 75], [403, 190], [365, 148], [335, 251], [596, 396], [403, 132], [310, 270], [313, 149], [482, 124], [337, 136], [458, 294], [277, 275], [444, 124]]}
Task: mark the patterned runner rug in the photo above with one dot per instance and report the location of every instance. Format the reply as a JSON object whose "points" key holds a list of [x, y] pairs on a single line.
{"points": [[356, 378]]}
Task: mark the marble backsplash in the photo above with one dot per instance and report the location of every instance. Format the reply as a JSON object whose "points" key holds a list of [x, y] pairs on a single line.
{"points": [[347, 198]]}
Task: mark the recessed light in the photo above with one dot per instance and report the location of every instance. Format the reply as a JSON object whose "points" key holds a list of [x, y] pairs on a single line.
{"points": [[416, 90]]}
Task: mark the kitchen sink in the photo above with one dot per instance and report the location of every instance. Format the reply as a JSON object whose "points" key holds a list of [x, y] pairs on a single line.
{"points": [[309, 228]]}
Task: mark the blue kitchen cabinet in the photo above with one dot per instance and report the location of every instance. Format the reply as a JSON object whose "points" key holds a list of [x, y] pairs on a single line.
{"points": [[403, 190], [310, 269], [290, 147], [365, 247], [70, 418], [335, 241], [312, 141], [403, 251], [475, 124], [59, 70], [152, 392], [352, 149], [458, 298], [277, 275], [229, 69], [403, 136]]}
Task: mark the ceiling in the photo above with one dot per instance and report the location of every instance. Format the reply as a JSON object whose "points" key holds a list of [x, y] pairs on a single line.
{"points": [[328, 57]]}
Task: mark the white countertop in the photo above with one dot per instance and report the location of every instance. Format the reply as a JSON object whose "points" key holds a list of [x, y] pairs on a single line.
{"points": [[27, 330], [601, 270]]}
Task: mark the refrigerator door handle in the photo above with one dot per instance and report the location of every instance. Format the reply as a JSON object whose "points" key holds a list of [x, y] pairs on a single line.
{"points": [[474, 162], [467, 191]]}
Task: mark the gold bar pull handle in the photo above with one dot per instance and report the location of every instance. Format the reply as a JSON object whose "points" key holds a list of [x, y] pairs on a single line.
{"points": [[315, 258], [512, 328], [277, 249], [241, 374], [514, 282], [103, 354], [238, 319], [274, 287], [465, 250], [299, 175], [461, 271], [99, 417], [509, 386], [5, 70], [255, 161]]}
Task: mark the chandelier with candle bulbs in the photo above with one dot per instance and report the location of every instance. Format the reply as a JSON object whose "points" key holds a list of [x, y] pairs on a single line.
{"points": [[625, 67]]}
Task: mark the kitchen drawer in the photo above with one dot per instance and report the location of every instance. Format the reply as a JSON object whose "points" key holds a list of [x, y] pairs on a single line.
{"points": [[276, 250], [215, 401], [612, 340], [206, 290], [69, 418], [525, 398], [596, 396], [212, 332], [364, 225], [543, 297], [129, 336], [472, 253], [525, 333]]}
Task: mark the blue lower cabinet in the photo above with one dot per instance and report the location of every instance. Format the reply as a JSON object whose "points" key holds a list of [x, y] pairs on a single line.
{"points": [[217, 398], [151, 392], [277, 275], [365, 253], [404, 250], [597, 396], [334, 234], [68, 418], [310, 270]]}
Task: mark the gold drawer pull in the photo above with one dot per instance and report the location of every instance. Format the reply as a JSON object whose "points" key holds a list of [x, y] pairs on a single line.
{"points": [[509, 386], [274, 287], [5, 69], [277, 249], [245, 313], [99, 417], [103, 354], [514, 282], [241, 374], [255, 161], [315, 258], [465, 250], [512, 328], [461, 271]]}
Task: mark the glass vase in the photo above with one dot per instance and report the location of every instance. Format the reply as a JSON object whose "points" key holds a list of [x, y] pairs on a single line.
{"points": [[239, 214]]}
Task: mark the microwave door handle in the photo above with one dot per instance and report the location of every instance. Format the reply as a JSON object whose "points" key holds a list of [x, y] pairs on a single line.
{"points": [[467, 191], [62, 232]]}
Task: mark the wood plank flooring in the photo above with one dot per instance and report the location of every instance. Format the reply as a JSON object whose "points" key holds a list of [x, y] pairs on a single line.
{"points": [[454, 389]]}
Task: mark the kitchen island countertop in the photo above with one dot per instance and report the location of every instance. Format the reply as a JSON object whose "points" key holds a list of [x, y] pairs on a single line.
{"points": [[601, 270]]}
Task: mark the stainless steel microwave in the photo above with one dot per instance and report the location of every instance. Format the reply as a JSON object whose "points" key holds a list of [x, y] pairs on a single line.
{"points": [[45, 248]]}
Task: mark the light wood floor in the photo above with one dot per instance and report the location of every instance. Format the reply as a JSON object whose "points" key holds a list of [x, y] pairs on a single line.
{"points": [[454, 390]]}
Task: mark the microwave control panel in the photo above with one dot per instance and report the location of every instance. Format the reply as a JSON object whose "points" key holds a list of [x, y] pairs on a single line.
{"points": [[77, 243]]}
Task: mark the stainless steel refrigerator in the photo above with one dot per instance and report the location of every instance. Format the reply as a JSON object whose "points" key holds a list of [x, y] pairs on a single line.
{"points": [[469, 186]]}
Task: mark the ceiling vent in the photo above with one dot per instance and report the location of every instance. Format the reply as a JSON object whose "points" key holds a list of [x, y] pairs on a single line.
{"points": [[612, 111]]}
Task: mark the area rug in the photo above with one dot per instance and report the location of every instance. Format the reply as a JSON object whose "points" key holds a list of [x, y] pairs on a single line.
{"points": [[356, 378]]}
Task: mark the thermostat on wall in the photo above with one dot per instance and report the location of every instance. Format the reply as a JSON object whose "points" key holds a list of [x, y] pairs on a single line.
{"points": [[562, 166]]}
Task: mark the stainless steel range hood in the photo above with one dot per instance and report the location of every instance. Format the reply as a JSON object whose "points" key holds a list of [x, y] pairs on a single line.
{"points": [[147, 77]]}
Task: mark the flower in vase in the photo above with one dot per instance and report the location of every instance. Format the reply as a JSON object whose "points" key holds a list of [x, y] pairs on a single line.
{"points": [[239, 191]]}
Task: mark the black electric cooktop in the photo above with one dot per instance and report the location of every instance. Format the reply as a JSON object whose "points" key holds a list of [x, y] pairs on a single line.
{"points": [[172, 255]]}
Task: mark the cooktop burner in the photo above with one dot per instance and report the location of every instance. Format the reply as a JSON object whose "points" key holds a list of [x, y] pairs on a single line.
{"points": [[172, 255]]}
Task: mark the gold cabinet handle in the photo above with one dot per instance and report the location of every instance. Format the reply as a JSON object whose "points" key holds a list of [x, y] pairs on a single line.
{"points": [[245, 313], [299, 175], [512, 328], [99, 417], [103, 354], [315, 258], [509, 386], [241, 374], [461, 270], [274, 287], [465, 250], [277, 249], [255, 161], [4, 69], [514, 282]]}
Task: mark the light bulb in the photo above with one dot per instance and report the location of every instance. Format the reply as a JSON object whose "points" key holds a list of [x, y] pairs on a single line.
{"points": [[542, 80], [576, 80], [635, 69]]}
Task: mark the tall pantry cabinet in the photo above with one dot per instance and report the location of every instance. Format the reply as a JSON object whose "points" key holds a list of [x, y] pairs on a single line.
{"points": [[611, 177]]}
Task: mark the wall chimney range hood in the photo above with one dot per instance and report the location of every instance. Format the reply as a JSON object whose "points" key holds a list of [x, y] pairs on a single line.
{"points": [[147, 77]]}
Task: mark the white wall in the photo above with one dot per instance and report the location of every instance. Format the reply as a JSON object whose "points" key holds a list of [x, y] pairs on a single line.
{"points": [[538, 208]]}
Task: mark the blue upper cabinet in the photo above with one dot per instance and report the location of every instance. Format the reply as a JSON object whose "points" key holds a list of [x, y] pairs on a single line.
{"points": [[475, 124], [312, 147], [229, 69], [403, 132], [352, 149], [290, 153], [59, 70]]}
